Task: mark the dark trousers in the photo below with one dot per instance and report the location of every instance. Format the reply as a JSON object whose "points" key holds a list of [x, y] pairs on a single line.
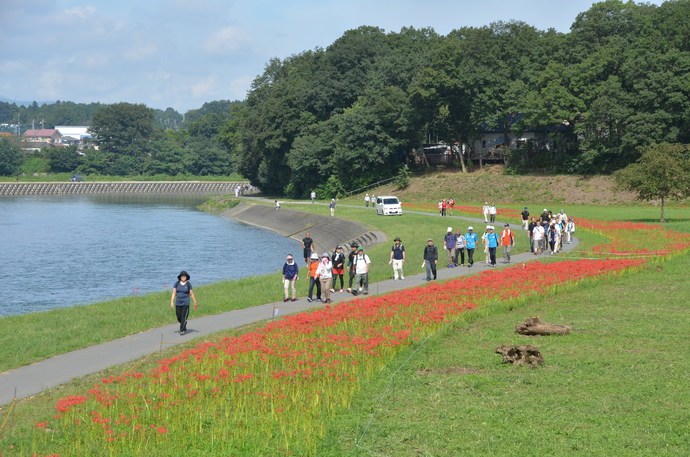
{"points": [[352, 278], [335, 280], [492, 256], [182, 314], [470, 256], [313, 281], [460, 252]]}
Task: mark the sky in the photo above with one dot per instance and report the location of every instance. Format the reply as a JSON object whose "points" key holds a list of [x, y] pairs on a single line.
{"points": [[183, 53]]}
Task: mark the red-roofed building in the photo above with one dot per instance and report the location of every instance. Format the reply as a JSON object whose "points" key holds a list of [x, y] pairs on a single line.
{"points": [[50, 136]]}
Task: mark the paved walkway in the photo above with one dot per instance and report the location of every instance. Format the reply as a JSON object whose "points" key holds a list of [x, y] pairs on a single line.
{"points": [[29, 380]]}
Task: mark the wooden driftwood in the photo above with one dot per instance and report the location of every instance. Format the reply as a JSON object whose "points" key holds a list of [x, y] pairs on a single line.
{"points": [[534, 326], [521, 355]]}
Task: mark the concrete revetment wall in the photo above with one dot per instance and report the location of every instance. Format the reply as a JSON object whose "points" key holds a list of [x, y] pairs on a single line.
{"points": [[139, 187]]}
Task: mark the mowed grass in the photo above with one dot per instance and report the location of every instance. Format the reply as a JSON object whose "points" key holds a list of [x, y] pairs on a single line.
{"points": [[618, 385]]}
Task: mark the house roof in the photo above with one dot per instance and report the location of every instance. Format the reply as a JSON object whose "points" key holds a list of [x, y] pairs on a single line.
{"points": [[41, 132]]}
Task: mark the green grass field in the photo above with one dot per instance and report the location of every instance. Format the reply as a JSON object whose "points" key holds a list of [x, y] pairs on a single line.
{"points": [[617, 385]]}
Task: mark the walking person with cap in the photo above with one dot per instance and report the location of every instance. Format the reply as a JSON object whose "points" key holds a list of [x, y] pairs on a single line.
{"points": [[338, 261], [362, 263], [331, 205], [290, 276], [397, 259], [351, 265], [507, 241], [181, 293], [325, 272], [524, 216], [459, 248], [430, 259], [471, 241], [314, 278], [492, 242], [449, 242]]}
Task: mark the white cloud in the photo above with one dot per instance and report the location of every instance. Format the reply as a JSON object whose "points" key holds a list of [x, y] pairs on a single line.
{"points": [[240, 86], [137, 53], [228, 40], [206, 86], [48, 84], [76, 14]]}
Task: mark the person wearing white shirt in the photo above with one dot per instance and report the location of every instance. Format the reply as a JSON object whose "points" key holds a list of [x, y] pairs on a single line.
{"points": [[362, 263], [325, 272], [485, 210], [569, 230], [492, 213], [538, 235]]}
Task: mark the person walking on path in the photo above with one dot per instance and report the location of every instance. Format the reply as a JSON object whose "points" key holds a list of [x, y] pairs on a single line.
{"points": [[366, 200], [313, 196], [351, 265], [325, 272], [485, 243], [362, 263], [451, 205], [492, 213], [569, 230], [525, 218], [332, 206], [181, 293], [471, 241], [485, 211], [276, 205], [553, 237], [430, 259], [308, 247], [507, 241], [397, 259], [449, 242], [338, 261], [290, 276], [314, 278], [530, 229], [538, 235], [492, 242], [459, 249]]}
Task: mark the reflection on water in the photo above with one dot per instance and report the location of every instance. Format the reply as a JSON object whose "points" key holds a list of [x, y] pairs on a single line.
{"points": [[62, 251]]}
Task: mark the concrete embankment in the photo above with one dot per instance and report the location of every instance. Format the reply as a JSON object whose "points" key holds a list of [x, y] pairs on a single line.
{"points": [[327, 232], [130, 187]]}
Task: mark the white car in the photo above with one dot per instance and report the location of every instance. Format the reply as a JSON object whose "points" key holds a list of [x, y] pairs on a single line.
{"points": [[388, 205]]}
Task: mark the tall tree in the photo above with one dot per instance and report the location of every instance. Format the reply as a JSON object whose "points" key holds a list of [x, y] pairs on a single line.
{"points": [[123, 129], [661, 173], [10, 157]]}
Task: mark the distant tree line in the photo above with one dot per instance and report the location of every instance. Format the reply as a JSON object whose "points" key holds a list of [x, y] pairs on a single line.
{"points": [[342, 117], [348, 115]]}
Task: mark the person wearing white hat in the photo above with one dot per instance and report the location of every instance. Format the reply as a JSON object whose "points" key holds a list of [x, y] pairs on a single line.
{"points": [[313, 277], [449, 243], [471, 241], [325, 272], [485, 243], [485, 211]]}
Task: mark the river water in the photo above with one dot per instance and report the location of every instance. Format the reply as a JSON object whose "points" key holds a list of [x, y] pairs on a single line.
{"points": [[64, 251]]}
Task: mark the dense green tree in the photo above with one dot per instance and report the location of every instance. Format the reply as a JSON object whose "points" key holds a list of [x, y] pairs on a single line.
{"points": [[124, 129], [10, 157], [661, 173], [64, 159]]}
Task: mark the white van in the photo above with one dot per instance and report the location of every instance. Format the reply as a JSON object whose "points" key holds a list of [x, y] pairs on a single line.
{"points": [[388, 205]]}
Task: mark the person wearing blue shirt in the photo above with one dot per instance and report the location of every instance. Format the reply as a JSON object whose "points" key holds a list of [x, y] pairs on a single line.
{"points": [[290, 275], [492, 239], [471, 241]]}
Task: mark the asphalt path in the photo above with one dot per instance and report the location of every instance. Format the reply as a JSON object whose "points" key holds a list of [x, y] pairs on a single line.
{"points": [[32, 379]]}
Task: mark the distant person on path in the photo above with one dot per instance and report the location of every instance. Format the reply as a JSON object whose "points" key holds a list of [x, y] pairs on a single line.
{"points": [[492, 213], [485, 211], [314, 278], [545, 216], [569, 230], [308, 246], [373, 200], [562, 217], [459, 248], [397, 259], [351, 265], [290, 277], [338, 261], [507, 241], [553, 237], [449, 242], [313, 196], [451, 205], [332, 206], [492, 241], [485, 243], [277, 205], [430, 259], [444, 207], [525, 218], [538, 235], [362, 263], [182, 291], [366, 200], [471, 241], [530, 229], [325, 273]]}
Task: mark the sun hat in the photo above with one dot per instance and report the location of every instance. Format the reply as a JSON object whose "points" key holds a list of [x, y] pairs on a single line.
{"points": [[183, 273], [361, 249], [325, 254], [470, 228], [430, 239], [450, 229], [314, 256], [397, 238], [506, 225], [338, 247]]}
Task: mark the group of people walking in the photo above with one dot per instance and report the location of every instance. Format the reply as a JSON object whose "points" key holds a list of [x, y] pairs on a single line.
{"points": [[548, 231]]}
